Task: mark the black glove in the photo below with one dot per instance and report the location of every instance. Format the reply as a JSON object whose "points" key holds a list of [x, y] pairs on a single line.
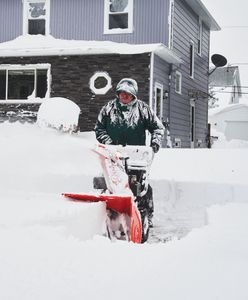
{"points": [[155, 147]]}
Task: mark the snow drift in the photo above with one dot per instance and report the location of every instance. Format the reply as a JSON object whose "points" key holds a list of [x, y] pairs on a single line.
{"points": [[59, 113], [52, 248]]}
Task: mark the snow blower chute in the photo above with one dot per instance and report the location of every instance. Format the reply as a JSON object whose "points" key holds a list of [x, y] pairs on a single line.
{"points": [[123, 184]]}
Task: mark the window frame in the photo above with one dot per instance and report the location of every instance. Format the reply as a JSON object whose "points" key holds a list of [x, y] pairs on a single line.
{"points": [[161, 88], [179, 91], [104, 90], [34, 67], [26, 16], [117, 30]]}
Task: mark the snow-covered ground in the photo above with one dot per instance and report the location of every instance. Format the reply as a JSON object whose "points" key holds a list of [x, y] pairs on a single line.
{"points": [[52, 248]]}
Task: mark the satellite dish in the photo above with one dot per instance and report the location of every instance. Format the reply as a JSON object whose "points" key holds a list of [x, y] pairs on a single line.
{"points": [[218, 60]]}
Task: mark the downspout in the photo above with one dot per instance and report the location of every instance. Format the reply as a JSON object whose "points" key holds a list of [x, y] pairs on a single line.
{"points": [[151, 79]]}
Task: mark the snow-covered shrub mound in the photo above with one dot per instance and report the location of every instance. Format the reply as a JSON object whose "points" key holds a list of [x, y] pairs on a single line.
{"points": [[59, 113]]}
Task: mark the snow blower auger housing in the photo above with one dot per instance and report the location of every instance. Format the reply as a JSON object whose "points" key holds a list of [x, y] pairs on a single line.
{"points": [[124, 182]]}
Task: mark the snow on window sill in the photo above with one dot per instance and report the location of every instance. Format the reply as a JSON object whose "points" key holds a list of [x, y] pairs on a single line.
{"points": [[23, 101], [117, 31]]}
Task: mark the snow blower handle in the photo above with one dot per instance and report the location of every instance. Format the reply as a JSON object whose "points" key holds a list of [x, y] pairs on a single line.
{"points": [[125, 159]]}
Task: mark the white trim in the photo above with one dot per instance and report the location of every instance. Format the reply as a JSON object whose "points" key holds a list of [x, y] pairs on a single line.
{"points": [[151, 79], [106, 29], [199, 38], [158, 86], [180, 82], [48, 17], [104, 90], [34, 67], [171, 24], [192, 61], [26, 17], [28, 66]]}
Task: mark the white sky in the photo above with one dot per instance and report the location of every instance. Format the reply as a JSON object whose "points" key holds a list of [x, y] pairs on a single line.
{"points": [[232, 40]]}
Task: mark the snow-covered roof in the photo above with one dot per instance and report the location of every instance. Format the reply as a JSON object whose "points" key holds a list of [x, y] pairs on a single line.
{"points": [[205, 15], [39, 45]]}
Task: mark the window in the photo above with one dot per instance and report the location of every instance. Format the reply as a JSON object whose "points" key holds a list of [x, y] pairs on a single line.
{"points": [[22, 83], [199, 40], [157, 105], [2, 84], [118, 16], [192, 59], [36, 17], [178, 82], [100, 83]]}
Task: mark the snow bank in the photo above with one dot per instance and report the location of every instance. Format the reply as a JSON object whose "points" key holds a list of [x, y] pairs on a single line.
{"points": [[221, 142], [38, 262], [52, 248], [59, 113], [228, 166]]}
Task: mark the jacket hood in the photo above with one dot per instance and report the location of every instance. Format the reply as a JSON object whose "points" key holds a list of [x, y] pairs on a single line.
{"points": [[127, 85]]}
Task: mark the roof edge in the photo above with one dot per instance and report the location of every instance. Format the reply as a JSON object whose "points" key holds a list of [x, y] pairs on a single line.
{"points": [[199, 8], [28, 45]]}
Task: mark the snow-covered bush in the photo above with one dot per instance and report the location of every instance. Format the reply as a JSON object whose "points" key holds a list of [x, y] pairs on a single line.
{"points": [[59, 113]]}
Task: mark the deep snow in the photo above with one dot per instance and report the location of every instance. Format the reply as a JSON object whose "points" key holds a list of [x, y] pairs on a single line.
{"points": [[52, 248]]}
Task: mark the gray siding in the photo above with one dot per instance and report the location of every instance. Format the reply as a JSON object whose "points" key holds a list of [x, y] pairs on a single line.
{"points": [[84, 19], [185, 31], [10, 19]]}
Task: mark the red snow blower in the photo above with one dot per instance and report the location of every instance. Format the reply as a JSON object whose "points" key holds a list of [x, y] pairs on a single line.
{"points": [[123, 185]]}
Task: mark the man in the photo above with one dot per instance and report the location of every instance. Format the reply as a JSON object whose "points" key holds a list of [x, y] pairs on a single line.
{"points": [[124, 121]]}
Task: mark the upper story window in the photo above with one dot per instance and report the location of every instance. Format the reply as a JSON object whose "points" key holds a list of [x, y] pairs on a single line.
{"points": [[199, 39], [36, 17], [118, 16]]}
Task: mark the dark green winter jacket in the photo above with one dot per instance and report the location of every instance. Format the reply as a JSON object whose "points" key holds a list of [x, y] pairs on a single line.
{"points": [[119, 124]]}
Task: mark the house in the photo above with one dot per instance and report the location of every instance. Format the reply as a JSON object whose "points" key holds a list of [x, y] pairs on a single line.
{"points": [[225, 86], [81, 49]]}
